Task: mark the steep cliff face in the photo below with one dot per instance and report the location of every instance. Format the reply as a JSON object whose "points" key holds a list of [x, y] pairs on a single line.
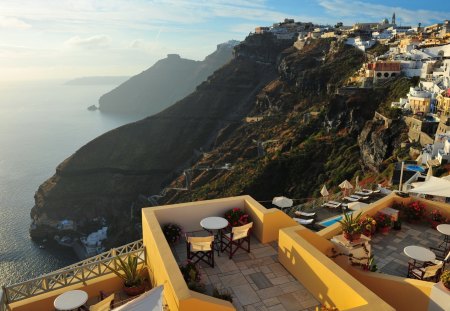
{"points": [[105, 176], [377, 142], [163, 84]]}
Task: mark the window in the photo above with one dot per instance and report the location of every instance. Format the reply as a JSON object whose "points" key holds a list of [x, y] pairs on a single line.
{"points": [[393, 74], [386, 74], [378, 74]]}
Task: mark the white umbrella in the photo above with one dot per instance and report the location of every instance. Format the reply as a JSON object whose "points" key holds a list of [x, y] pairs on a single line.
{"points": [[149, 301], [282, 202], [324, 191], [345, 185]]}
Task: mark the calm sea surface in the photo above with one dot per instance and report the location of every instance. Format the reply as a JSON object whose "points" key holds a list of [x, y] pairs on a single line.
{"points": [[41, 124]]}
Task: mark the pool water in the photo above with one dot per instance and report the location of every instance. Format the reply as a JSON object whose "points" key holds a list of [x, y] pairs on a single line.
{"points": [[415, 168], [331, 221]]}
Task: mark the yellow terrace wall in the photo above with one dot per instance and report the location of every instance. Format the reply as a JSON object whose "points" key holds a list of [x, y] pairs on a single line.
{"points": [[401, 293], [163, 266], [302, 253], [108, 283]]}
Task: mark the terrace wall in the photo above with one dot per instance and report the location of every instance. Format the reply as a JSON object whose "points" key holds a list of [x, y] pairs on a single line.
{"points": [[303, 254], [161, 262]]}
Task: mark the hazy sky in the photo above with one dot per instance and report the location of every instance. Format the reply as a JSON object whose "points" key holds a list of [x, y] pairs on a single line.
{"points": [[53, 39]]}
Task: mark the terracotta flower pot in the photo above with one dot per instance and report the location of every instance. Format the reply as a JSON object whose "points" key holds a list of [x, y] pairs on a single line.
{"points": [[134, 290], [352, 236], [385, 230]]}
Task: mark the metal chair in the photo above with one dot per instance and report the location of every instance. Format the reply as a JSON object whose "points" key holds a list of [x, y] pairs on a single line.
{"points": [[428, 272], [237, 237], [104, 304], [200, 249]]}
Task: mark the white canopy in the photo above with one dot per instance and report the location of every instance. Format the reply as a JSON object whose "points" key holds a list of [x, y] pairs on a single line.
{"points": [[324, 191], [434, 186], [282, 202], [149, 301], [356, 206], [345, 185]]}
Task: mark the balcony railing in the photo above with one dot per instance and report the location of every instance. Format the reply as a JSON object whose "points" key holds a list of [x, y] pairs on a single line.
{"points": [[74, 274]]}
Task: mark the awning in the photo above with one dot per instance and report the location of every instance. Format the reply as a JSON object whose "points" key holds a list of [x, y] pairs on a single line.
{"points": [[148, 301], [434, 186]]}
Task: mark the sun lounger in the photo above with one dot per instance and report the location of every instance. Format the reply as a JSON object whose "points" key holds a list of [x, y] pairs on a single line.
{"points": [[304, 222], [362, 193], [334, 202], [377, 191], [367, 191], [303, 214], [331, 205], [351, 199]]}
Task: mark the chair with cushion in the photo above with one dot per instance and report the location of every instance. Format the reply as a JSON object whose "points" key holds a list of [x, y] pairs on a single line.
{"points": [[304, 222], [236, 238], [428, 272], [304, 214], [200, 249], [105, 304]]}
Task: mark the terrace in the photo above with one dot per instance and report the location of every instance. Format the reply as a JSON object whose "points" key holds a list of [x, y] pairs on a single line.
{"points": [[289, 266]]}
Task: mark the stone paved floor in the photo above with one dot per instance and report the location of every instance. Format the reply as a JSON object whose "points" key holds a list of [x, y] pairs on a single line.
{"points": [[256, 280], [388, 249]]}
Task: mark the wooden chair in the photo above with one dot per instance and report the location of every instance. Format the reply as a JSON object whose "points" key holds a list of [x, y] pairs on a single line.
{"points": [[237, 237], [105, 304], [200, 249], [428, 272]]}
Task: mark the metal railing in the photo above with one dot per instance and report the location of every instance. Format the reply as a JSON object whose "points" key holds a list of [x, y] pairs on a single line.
{"points": [[74, 274]]}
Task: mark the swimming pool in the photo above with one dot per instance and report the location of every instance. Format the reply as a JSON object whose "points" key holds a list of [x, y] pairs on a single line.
{"points": [[415, 168], [331, 221]]}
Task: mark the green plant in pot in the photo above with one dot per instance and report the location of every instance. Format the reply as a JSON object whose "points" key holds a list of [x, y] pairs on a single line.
{"points": [[351, 226], [128, 270], [445, 279]]}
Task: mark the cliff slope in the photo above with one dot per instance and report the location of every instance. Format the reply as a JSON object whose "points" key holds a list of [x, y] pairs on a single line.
{"points": [[163, 84], [104, 177]]}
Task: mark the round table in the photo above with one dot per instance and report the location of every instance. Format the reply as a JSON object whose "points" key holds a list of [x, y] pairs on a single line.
{"points": [[70, 300], [216, 224], [445, 230], [419, 253]]}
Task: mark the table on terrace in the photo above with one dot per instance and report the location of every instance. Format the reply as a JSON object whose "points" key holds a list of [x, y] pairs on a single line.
{"points": [[70, 300], [445, 230], [419, 253], [214, 225]]}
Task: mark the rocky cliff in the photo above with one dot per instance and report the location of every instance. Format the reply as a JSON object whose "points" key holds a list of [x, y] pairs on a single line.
{"points": [[163, 84], [104, 177], [273, 121]]}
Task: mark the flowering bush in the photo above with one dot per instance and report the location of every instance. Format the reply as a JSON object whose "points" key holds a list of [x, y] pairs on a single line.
{"points": [[414, 211], [192, 276], [368, 224], [236, 217], [383, 220], [436, 215], [172, 232]]}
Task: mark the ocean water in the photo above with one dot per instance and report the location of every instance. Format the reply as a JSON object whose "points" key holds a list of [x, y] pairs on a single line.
{"points": [[41, 124]]}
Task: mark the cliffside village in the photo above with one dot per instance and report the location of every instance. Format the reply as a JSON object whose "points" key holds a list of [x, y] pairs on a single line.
{"points": [[422, 52]]}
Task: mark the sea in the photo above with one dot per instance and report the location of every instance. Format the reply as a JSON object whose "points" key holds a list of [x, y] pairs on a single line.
{"points": [[41, 124]]}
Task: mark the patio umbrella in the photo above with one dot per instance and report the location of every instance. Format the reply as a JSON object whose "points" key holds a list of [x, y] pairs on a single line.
{"points": [[149, 301], [282, 202], [324, 191], [345, 185]]}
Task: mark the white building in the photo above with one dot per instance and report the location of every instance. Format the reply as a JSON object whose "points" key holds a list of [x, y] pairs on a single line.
{"points": [[363, 45]]}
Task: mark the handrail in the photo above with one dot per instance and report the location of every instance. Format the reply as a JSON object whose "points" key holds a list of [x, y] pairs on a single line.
{"points": [[74, 274]]}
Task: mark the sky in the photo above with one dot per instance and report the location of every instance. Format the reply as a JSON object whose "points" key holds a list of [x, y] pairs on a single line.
{"points": [[65, 39]]}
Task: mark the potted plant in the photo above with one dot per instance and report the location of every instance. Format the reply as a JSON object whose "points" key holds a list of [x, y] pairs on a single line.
{"points": [[398, 224], [436, 218], [236, 217], [384, 222], [192, 276], [172, 232], [414, 211], [132, 277], [369, 225], [445, 279], [351, 226], [225, 295]]}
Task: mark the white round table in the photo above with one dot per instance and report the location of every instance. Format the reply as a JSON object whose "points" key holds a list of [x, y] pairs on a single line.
{"points": [[216, 224], [70, 300], [419, 253], [445, 230]]}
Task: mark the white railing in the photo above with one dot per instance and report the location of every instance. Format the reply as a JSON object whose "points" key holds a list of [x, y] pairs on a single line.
{"points": [[74, 274]]}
